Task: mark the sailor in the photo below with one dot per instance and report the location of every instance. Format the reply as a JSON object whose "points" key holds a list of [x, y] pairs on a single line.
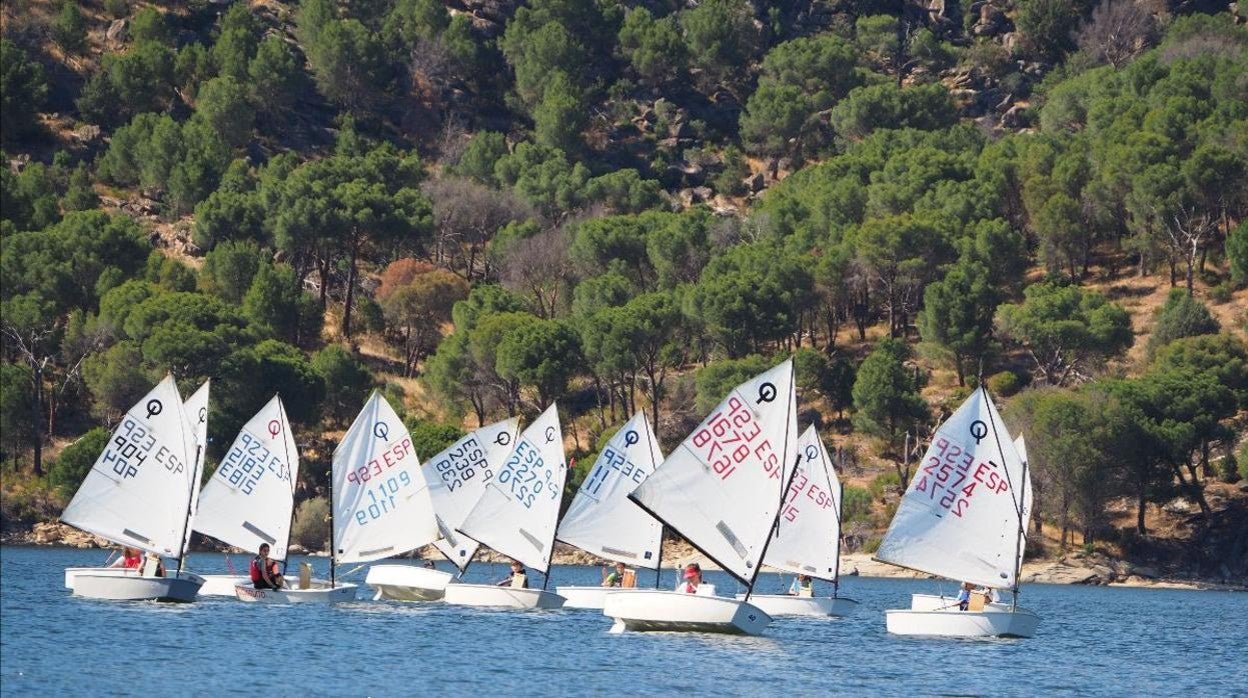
{"points": [[802, 585], [130, 559], [518, 578], [616, 577], [964, 595], [692, 578], [264, 574]]}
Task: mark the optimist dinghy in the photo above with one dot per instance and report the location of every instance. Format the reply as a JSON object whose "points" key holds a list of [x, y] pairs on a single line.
{"points": [[722, 489], [456, 478], [602, 520], [964, 517], [516, 516], [808, 537], [250, 499], [139, 494]]}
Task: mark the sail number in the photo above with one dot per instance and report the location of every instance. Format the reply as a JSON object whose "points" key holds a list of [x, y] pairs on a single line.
{"points": [[392, 456], [802, 485], [948, 473], [730, 436], [462, 464], [612, 461], [526, 476], [131, 447], [381, 498], [247, 462]]}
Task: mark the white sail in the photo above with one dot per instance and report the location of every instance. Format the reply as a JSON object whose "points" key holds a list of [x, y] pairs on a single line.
{"points": [[959, 517], [196, 408], [602, 520], [721, 488], [137, 492], [1020, 447], [808, 536], [250, 498], [457, 477], [516, 514], [381, 503]]}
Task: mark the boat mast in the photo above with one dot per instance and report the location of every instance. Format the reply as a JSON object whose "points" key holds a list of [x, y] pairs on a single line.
{"points": [[190, 493], [840, 511], [1019, 533], [290, 528], [784, 492], [658, 568], [332, 556]]}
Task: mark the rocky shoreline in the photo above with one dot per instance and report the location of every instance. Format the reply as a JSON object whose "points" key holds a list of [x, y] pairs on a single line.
{"points": [[1073, 568]]}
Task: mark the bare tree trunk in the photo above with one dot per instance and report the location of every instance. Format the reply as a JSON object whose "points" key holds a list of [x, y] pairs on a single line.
{"points": [[350, 296], [38, 414]]}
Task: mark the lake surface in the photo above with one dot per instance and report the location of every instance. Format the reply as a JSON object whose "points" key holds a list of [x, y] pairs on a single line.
{"points": [[1091, 641]]}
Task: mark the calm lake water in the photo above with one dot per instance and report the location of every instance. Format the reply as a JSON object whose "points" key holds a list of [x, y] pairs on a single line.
{"points": [[1092, 641]]}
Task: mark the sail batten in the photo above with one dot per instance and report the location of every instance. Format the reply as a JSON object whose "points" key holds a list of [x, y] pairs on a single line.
{"points": [[959, 517], [381, 502], [456, 477], [722, 487], [517, 512], [807, 536], [250, 498], [601, 520], [138, 490]]}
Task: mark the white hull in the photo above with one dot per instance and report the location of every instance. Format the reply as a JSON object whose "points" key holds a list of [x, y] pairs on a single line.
{"points": [[589, 597], [501, 597], [407, 582], [785, 605], [182, 587], [71, 573], [222, 584], [650, 610], [318, 592], [955, 623]]}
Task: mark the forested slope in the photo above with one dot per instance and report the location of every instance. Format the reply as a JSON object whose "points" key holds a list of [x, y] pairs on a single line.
{"points": [[481, 206]]}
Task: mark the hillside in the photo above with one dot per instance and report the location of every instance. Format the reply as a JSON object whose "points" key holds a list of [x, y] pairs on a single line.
{"points": [[482, 207]]}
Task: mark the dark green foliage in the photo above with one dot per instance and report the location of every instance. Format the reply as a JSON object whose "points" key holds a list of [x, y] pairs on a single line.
{"points": [[17, 394], [886, 106], [559, 117], [715, 380], [223, 104], [117, 379], [1003, 384], [228, 215], [886, 395], [1047, 26], [957, 314], [541, 354], [653, 48], [140, 80], [148, 24], [483, 151], [23, 90], [29, 198], [276, 77], [431, 438], [1181, 316], [349, 64], [236, 44], [73, 464], [1237, 252], [70, 28], [346, 381], [1065, 328], [79, 195], [720, 34]]}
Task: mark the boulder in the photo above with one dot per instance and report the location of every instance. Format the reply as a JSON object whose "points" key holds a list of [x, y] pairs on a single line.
{"points": [[1014, 117], [117, 31], [755, 182]]}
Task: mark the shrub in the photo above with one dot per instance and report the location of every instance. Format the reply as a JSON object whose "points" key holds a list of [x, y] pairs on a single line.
{"points": [[1228, 469], [311, 527], [882, 484], [431, 438], [1221, 293], [872, 545], [855, 504], [1004, 384], [72, 466]]}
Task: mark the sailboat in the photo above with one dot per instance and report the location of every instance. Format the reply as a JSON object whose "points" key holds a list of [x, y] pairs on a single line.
{"points": [[456, 479], [808, 538], [516, 515], [722, 490], [964, 517], [138, 494], [250, 499], [602, 520]]}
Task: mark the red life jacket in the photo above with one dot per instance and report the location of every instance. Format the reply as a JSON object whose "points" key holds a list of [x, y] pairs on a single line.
{"points": [[132, 561], [255, 570]]}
